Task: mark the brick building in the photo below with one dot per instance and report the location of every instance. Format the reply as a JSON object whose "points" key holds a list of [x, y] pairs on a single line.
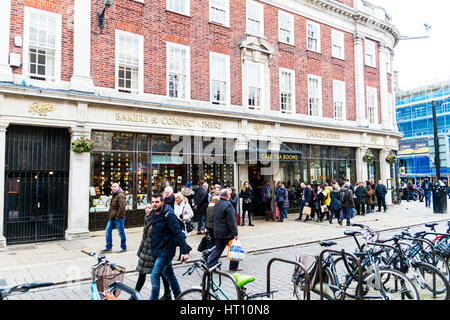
{"points": [[181, 90]]}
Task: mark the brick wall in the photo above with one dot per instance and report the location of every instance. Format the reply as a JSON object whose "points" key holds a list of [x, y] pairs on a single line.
{"points": [[157, 26]]}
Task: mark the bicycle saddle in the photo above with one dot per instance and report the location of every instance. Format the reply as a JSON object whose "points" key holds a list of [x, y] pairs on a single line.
{"points": [[431, 225], [419, 234], [242, 280], [327, 243], [351, 232]]}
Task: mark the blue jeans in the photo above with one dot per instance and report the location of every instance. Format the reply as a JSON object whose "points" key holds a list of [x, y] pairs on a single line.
{"points": [[120, 225], [285, 212], [427, 198], [302, 205], [346, 213], [163, 266]]}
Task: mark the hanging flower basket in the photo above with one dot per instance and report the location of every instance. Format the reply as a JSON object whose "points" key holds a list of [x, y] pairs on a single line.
{"points": [[368, 157], [82, 145], [391, 158]]}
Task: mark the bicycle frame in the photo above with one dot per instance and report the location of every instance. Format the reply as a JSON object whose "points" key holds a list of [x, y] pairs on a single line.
{"points": [[208, 283]]}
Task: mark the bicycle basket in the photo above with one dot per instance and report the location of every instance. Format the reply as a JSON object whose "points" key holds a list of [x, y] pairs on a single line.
{"points": [[443, 249], [105, 275]]}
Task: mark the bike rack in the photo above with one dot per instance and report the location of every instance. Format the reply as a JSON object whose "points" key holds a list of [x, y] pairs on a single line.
{"points": [[298, 264], [207, 273], [342, 253]]}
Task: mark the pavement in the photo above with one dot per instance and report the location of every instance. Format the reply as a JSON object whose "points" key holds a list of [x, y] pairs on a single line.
{"points": [[62, 262]]}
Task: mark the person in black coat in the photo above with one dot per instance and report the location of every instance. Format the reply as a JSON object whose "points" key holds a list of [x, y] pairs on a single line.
{"points": [[380, 192], [247, 196], [225, 229], [305, 200], [201, 204]]}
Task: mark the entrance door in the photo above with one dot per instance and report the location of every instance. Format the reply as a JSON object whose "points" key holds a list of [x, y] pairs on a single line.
{"points": [[36, 184], [257, 182]]}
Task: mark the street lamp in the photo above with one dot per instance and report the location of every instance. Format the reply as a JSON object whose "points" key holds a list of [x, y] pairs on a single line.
{"points": [[101, 16]]}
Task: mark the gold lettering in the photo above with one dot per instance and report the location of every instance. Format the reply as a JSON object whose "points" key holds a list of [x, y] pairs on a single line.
{"points": [[41, 109]]}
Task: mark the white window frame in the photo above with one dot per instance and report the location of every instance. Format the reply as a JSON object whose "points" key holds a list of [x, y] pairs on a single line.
{"points": [[140, 66], [290, 17], [370, 56], [372, 108], [317, 38], [260, 7], [56, 79], [187, 7], [260, 79], [187, 73], [292, 93], [339, 97], [338, 41], [226, 8], [213, 78], [317, 96]]}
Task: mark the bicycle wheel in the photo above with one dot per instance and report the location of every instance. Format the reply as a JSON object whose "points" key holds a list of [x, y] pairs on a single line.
{"points": [[344, 277], [431, 283], [388, 284], [195, 294], [440, 262], [300, 285]]}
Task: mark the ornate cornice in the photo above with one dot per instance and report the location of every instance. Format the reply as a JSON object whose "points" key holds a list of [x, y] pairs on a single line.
{"points": [[356, 15]]}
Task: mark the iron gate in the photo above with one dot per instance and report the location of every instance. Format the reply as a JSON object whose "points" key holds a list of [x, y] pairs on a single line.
{"points": [[36, 184]]}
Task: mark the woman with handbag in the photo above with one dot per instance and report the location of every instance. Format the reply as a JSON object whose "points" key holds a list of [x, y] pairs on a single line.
{"points": [[247, 199], [320, 196], [183, 211]]}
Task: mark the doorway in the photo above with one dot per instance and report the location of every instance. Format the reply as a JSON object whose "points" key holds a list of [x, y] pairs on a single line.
{"points": [[257, 182]]}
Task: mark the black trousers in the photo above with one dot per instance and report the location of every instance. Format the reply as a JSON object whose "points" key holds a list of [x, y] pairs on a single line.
{"points": [[381, 201], [141, 281], [360, 208], [246, 207], [221, 244]]}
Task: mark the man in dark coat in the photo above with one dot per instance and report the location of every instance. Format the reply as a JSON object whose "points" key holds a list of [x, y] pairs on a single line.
{"points": [[360, 201], [347, 203], [305, 200], [380, 192], [201, 204], [225, 229], [166, 235], [116, 219]]}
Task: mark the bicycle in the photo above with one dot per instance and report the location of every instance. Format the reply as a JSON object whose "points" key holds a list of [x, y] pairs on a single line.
{"points": [[25, 287], [378, 281], [427, 277], [106, 280], [210, 289]]}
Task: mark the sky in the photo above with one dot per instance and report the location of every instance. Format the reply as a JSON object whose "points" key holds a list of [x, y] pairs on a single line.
{"points": [[422, 60]]}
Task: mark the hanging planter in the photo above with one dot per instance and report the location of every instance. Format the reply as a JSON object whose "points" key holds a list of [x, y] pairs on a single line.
{"points": [[82, 145], [391, 158], [369, 157]]}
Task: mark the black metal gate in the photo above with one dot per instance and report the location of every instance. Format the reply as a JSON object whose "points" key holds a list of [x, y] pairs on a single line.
{"points": [[36, 184]]}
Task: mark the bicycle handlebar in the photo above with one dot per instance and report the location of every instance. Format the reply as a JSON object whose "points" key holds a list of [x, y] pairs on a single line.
{"points": [[121, 286], [23, 288], [89, 253]]}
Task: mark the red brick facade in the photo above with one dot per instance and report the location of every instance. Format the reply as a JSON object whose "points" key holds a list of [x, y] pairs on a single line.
{"points": [[157, 25]]}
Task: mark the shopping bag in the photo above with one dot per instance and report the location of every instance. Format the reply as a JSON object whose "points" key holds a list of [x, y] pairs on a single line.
{"points": [[306, 211], [324, 208], [353, 212], [277, 213], [235, 251], [238, 219]]}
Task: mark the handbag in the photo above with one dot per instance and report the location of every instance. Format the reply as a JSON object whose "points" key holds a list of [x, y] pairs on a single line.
{"points": [[277, 212], [306, 211], [190, 225]]}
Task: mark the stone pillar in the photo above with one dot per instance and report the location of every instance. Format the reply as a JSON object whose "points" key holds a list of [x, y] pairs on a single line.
{"points": [[360, 90], [386, 122], [361, 166], [3, 126], [385, 173], [394, 89], [5, 17], [79, 174], [81, 78]]}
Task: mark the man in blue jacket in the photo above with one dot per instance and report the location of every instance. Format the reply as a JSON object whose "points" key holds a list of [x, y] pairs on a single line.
{"points": [[166, 236]]}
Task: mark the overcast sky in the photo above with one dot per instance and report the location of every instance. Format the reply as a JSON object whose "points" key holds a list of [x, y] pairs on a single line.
{"points": [[424, 59]]}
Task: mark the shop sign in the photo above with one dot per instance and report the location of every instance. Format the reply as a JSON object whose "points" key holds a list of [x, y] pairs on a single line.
{"points": [[41, 109], [322, 135], [167, 121], [280, 157]]}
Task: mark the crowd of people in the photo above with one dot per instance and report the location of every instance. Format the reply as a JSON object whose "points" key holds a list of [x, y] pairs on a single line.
{"points": [[421, 191], [215, 209]]}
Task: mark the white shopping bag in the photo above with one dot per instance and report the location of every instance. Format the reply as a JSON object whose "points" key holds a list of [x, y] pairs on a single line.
{"points": [[235, 251]]}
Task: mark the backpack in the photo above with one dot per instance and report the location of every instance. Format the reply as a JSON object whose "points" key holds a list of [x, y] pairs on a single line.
{"points": [[269, 193], [343, 196]]}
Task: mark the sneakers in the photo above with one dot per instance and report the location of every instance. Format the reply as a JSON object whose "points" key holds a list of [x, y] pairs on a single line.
{"points": [[340, 222], [122, 250], [105, 251], [235, 270]]}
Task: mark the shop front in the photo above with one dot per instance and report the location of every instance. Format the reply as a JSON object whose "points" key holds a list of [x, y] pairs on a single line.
{"points": [[144, 164]]}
